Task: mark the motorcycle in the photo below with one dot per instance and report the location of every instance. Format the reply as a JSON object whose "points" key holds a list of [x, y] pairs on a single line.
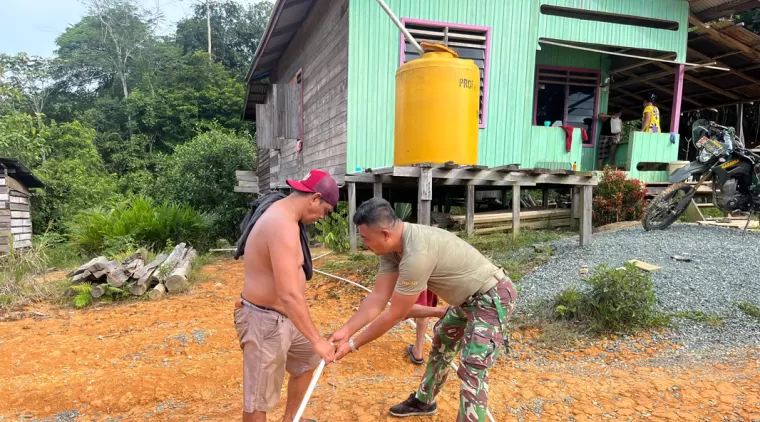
{"points": [[721, 158]]}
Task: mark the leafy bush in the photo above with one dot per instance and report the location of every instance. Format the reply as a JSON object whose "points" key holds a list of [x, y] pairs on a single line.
{"points": [[403, 211], [201, 173], [83, 295], [333, 229], [74, 175], [618, 198], [569, 304], [619, 300], [751, 310], [140, 222]]}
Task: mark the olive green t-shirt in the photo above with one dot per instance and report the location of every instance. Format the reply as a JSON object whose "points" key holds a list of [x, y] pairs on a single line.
{"points": [[438, 260]]}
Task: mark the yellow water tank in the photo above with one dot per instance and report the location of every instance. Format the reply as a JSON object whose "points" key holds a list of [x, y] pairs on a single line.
{"points": [[437, 102]]}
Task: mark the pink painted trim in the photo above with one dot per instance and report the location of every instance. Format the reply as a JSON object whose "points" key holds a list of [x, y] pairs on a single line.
{"points": [[675, 118], [598, 74], [299, 74], [487, 65], [597, 94]]}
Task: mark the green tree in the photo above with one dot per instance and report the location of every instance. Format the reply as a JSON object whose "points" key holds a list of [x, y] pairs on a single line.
{"points": [[105, 45], [235, 32], [32, 76], [750, 19], [74, 176], [201, 173], [193, 91]]}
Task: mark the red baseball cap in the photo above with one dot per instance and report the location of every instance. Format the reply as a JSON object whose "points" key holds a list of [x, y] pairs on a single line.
{"points": [[317, 181]]}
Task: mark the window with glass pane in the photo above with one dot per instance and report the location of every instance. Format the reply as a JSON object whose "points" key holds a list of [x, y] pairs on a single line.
{"points": [[567, 96]]}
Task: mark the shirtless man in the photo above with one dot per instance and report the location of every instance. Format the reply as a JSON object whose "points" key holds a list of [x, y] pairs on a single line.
{"points": [[272, 319]]}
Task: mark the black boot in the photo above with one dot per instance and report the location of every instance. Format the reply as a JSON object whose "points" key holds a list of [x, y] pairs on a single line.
{"points": [[413, 407]]}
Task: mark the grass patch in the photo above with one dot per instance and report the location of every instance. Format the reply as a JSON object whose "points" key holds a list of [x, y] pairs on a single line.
{"points": [[617, 301], [518, 256], [750, 309], [363, 265], [21, 272], [708, 318], [557, 334]]}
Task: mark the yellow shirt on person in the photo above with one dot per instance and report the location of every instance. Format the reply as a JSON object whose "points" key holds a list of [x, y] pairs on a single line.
{"points": [[654, 123]]}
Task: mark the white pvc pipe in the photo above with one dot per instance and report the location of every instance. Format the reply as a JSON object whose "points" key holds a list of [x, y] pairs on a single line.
{"points": [[321, 256], [310, 390], [453, 365], [401, 27]]}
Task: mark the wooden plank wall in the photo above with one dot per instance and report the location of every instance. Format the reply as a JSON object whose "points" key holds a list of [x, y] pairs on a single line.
{"points": [[320, 50], [262, 169], [15, 214], [5, 215]]}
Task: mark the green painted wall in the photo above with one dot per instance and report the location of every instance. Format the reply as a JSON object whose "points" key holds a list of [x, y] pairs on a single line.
{"points": [[602, 33], [547, 148], [516, 26], [651, 148]]}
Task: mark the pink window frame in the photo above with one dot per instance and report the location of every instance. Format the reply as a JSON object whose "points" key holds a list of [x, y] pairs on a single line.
{"points": [[486, 29], [299, 75], [598, 74]]}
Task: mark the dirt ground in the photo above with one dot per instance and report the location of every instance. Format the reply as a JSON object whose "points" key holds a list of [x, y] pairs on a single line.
{"points": [[178, 359]]}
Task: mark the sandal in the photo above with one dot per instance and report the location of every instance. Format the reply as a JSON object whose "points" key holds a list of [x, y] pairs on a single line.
{"points": [[410, 352]]}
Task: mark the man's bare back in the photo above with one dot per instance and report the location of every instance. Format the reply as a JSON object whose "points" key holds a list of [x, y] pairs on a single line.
{"points": [[259, 284]]}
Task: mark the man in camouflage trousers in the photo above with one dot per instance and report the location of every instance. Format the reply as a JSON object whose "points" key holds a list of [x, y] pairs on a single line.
{"points": [[482, 298]]}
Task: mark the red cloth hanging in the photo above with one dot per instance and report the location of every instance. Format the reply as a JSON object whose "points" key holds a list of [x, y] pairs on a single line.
{"points": [[568, 137]]}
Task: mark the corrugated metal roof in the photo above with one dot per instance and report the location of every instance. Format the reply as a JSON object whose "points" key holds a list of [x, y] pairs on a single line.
{"points": [[21, 173], [714, 9]]}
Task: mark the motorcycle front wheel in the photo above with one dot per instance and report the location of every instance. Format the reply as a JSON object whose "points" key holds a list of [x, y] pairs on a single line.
{"points": [[664, 209]]}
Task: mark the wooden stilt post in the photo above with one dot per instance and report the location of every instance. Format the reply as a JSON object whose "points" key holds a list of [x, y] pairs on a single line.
{"points": [[351, 212], [545, 199], [378, 189], [447, 202], [575, 209], [425, 196], [515, 211], [469, 217], [586, 215], [504, 198]]}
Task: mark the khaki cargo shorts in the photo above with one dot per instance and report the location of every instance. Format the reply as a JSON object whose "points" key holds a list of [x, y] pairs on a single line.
{"points": [[271, 345]]}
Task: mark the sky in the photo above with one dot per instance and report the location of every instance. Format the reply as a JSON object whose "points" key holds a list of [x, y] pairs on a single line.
{"points": [[32, 26]]}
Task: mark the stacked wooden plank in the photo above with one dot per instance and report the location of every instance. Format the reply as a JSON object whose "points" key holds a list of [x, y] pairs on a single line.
{"points": [[490, 222], [248, 182], [165, 273], [15, 215]]}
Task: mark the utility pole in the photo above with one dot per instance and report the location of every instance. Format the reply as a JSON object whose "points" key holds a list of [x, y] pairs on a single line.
{"points": [[208, 24]]}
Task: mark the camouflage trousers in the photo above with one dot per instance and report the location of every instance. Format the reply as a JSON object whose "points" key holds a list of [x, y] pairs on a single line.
{"points": [[477, 328]]}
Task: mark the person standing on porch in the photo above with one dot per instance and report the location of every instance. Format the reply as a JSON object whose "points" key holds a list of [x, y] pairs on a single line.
{"points": [[610, 137], [651, 118], [414, 258]]}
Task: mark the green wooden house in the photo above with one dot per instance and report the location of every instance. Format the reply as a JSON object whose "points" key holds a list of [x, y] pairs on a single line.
{"points": [[321, 84]]}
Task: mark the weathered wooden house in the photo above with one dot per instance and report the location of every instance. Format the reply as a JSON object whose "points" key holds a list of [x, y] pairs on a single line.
{"points": [[15, 211], [321, 83]]}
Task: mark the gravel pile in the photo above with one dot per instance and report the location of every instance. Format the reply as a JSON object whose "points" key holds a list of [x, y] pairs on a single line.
{"points": [[725, 269]]}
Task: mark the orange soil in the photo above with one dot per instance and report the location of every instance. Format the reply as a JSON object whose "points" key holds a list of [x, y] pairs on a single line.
{"points": [[179, 359]]}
